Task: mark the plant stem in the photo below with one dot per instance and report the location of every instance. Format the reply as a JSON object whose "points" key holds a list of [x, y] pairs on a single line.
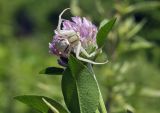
{"points": [[101, 102]]}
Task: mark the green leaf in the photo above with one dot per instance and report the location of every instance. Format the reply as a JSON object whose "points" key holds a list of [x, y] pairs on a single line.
{"points": [[37, 102], [129, 111], [140, 43], [149, 92], [135, 29], [138, 7], [143, 6], [79, 88], [103, 32], [52, 71]]}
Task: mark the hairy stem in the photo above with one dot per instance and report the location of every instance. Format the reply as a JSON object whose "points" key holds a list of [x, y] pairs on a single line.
{"points": [[101, 102]]}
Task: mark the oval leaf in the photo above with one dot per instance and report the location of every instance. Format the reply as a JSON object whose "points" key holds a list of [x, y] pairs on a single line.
{"points": [[103, 32], [79, 88], [38, 103], [52, 71]]}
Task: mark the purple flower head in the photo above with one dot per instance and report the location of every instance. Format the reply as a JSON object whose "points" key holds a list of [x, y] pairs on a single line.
{"points": [[84, 27], [76, 36], [74, 33]]}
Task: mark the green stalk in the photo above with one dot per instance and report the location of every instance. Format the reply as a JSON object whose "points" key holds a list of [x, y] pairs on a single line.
{"points": [[102, 108]]}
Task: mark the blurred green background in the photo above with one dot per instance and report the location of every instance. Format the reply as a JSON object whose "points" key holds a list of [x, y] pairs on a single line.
{"points": [[131, 78]]}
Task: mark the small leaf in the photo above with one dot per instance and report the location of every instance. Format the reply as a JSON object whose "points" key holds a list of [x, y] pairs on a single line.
{"points": [[37, 103], [143, 6], [52, 71], [149, 92], [79, 88], [135, 29], [103, 32], [138, 7], [141, 43], [129, 111]]}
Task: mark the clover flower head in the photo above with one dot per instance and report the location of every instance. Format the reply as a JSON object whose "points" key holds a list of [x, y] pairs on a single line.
{"points": [[77, 36], [84, 27]]}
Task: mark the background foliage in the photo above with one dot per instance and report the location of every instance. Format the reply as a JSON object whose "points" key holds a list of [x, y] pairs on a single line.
{"points": [[131, 79]]}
